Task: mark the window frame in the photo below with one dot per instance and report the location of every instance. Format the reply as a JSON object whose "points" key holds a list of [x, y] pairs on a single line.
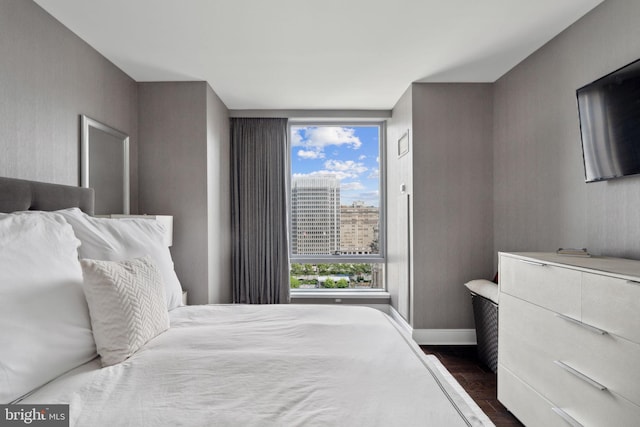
{"points": [[379, 258]]}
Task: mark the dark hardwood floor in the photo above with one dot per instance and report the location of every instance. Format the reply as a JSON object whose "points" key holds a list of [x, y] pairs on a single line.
{"points": [[478, 381]]}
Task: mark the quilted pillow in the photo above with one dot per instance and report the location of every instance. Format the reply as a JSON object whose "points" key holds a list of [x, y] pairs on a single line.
{"points": [[127, 305], [44, 320], [123, 239]]}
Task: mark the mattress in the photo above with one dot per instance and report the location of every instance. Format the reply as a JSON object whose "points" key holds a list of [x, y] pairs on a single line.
{"points": [[269, 365]]}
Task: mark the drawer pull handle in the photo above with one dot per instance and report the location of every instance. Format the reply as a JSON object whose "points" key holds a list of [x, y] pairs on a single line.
{"points": [[584, 325], [568, 418], [539, 264], [580, 375]]}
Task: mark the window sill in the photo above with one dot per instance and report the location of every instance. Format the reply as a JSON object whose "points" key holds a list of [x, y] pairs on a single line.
{"points": [[374, 299], [377, 295]]}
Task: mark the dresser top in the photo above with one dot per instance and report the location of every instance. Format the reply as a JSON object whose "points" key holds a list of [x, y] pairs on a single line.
{"points": [[618, 267]]}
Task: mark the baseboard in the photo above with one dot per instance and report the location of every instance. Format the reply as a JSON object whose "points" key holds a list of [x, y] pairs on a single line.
{"points": [[397, 317], [434, 336], [445, 336]]}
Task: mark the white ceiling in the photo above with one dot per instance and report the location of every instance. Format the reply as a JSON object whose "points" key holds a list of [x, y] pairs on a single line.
{"points": [[322, 54]]}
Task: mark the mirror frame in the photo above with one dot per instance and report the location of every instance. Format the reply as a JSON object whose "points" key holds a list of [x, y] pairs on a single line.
{"points": [[85, 145]]}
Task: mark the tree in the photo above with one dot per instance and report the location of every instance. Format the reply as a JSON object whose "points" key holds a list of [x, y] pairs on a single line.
{"points": [[329, 283], [294, 282], [296, 269], [344, 269], [342, 283], [375, 248], [323, 269], [362, 269], [307, 269]]}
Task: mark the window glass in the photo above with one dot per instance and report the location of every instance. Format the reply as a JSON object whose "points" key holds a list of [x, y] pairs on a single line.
{"points": [[336, 223]]}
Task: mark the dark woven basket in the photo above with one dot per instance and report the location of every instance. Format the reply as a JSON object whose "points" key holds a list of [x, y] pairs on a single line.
{"points": [[485, 314]]}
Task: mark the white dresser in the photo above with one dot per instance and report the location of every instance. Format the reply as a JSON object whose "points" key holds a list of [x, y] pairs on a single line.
{"points": [[569, 340]]}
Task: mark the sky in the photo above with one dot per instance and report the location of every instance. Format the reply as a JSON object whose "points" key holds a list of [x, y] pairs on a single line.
{"points": [[349, 152]]}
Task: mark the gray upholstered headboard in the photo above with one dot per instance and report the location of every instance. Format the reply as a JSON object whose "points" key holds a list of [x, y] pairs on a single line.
{"points": [[22, 195]]}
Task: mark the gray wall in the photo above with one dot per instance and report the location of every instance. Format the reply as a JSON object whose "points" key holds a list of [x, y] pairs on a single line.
{"points": [[219, 198], [49, 77], [448, 176], [541, 201], [183, 166], [520, 185], [399, 171], [452, 207]]}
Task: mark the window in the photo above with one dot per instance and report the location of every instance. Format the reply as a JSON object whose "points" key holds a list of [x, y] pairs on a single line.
{"points": [[337, 221]]}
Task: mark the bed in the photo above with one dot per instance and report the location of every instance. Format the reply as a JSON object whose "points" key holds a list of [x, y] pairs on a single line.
{"points": [[226, 365]]}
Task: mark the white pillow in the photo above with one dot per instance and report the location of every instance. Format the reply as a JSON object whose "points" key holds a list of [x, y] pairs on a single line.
{"points": [[127, 305], [122, 239], [45, 328]]}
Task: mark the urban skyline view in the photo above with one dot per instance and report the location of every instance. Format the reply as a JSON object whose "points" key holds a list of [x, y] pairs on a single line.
{"points": [[335, 203], [320, 225], [350, 153]]}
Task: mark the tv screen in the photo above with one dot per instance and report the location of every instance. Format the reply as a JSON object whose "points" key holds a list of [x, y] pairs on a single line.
{"points": [[609, 110]]}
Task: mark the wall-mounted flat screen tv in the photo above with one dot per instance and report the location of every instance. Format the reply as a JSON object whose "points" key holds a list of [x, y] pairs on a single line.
{"points": [[609, 110]]}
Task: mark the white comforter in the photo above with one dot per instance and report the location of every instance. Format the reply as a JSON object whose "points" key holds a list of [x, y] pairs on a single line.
{"points": [[274, 365]]}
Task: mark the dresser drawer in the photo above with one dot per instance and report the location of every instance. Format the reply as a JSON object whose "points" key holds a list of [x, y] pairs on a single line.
{"points": [[545, 285], [605, 409], [532, 342], [537, 412], [608, 359], [530, 339], [612, 304]]}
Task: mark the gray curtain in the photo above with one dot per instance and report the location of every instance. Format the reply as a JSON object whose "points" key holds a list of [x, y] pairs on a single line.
{"points": [[259, 152]]}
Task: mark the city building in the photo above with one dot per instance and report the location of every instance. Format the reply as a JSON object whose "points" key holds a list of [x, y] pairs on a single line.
{"points": [[359, 226], [315, 215]]}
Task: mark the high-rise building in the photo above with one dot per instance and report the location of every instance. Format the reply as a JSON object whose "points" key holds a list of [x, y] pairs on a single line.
{"points": [[359, 229], [315, 215]]}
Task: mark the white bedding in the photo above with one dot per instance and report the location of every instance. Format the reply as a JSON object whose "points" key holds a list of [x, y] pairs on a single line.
{"points": [[268, 365]]}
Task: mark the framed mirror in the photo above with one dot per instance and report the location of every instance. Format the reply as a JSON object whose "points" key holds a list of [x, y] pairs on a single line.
{"points": [[104, 166]]}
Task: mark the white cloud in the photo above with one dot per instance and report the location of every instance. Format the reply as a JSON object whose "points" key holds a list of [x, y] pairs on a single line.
{"points": [[341, 169], [362, 157], [347, 166], [337, 174], [310, 154], [351, 186], [375, 173], [320, 137], [296, 139]]}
